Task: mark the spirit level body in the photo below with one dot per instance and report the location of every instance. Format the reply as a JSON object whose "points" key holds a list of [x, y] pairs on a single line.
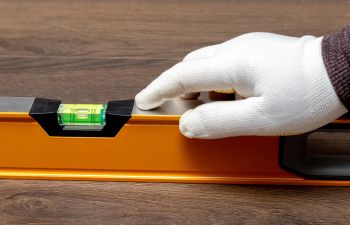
{"points": [[148, 147]]}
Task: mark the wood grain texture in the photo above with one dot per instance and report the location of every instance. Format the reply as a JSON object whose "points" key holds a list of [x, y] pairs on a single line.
{"points": [[85, 203], [153, 28], [94, 51], [77, 79]]}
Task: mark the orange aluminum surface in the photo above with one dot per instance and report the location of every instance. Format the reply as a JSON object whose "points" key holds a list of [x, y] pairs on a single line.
{"points": [[147, 148]]}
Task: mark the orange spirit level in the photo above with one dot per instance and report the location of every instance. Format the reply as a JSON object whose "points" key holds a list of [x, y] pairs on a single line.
{"points": [[44, 139]]}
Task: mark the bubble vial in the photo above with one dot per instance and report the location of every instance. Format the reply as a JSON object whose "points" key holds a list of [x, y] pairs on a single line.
{"points": [[82, 114]]}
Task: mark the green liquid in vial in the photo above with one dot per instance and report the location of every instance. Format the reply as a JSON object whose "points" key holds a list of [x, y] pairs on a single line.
{"points": [[82, 114]]}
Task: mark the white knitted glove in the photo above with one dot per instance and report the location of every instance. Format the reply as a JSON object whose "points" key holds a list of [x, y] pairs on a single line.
{"points": [[283, 79]]}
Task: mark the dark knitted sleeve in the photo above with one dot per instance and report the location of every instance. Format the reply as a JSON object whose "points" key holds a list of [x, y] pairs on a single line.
{"points": [[336, 57]]}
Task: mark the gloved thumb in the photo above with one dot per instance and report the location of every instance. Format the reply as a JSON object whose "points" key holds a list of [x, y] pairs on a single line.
{"points": [[226, 119]]}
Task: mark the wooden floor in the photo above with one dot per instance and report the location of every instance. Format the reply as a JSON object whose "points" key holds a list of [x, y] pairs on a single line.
{"points": [[94, 51]]}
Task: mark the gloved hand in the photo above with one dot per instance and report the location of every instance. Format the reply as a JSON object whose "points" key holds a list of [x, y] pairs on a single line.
{"points": [[283, 79]]}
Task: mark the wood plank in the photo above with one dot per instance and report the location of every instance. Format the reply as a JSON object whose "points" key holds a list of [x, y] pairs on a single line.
{"points": [[55, 202], [74, 79], [153, 28]]}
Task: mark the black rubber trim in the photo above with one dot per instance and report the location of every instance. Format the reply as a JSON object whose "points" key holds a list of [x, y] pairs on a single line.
{"points": [[44, 111], [293, 157]]}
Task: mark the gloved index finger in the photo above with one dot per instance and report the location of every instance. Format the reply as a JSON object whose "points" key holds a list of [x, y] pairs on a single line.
{"points": [[187, 76]]}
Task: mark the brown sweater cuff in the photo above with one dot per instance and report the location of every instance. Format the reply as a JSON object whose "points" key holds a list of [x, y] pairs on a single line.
{"points": [[336, 57]]}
